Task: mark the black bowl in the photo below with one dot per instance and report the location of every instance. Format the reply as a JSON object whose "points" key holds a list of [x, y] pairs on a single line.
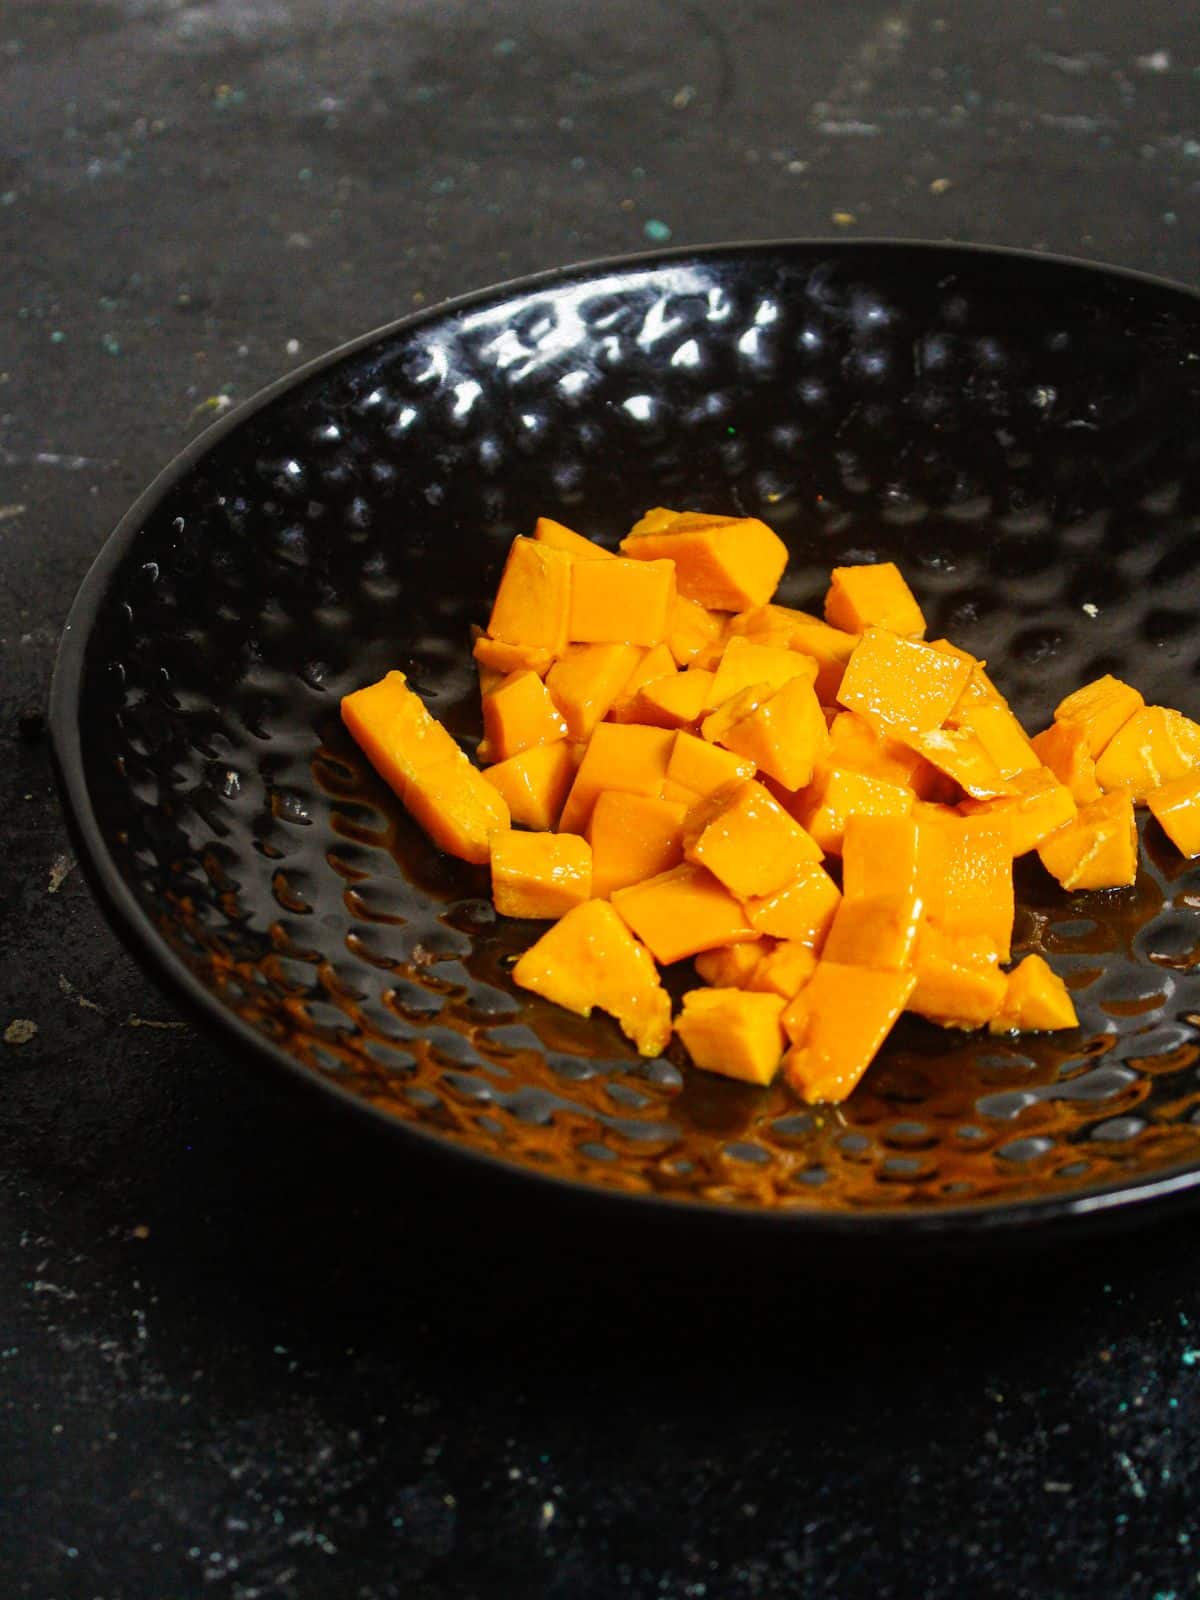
{"points": [[1019, 432]]}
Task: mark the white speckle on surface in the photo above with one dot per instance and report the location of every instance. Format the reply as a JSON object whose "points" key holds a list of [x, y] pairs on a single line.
{"points": [[548, 1513], [1156, 61], [59, 868], [293, 347], [1090, 609]]}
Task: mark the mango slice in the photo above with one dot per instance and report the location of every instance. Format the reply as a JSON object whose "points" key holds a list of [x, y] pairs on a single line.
{"points": [[534, 784], [723, 563], [533, 601], [1036, 1000], [1097, 849], [621, 602], [681, 912], [874, 596], [1176, 805], [633, 837], [733, 1032], [837, 1023], [747, 840], [539, 874]]}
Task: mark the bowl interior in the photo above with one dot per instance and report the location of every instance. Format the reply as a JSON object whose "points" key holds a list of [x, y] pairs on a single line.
{"points": [[1019, 434]]}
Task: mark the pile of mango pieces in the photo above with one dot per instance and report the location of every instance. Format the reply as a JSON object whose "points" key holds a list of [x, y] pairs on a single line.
{"points": [[822, 812]]}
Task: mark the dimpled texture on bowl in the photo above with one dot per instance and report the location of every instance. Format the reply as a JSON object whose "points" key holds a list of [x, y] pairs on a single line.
{"points": [[1019, 434]]}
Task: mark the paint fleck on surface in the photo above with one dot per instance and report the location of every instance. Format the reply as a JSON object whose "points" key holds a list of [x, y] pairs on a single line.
{"points": [[657, 232], [1089, 609], [20, 1031], [59, 868], [939, 186], [844, 219]]}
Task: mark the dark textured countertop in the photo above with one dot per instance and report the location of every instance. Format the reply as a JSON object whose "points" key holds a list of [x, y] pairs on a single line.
{"points": [[245, 1352]]}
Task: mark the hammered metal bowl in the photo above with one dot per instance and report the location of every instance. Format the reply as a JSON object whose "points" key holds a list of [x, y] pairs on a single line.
{"points": [[1019, 433]]}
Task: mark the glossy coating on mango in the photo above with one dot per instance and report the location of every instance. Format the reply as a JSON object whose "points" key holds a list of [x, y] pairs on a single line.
{"points": [[1176, 805], [539, 874], [733, 1032], [837, 1023], [723, 563], [681, 912], [534, 784], [533, 600], [747, 840], [1097, 849], [633, 837]]}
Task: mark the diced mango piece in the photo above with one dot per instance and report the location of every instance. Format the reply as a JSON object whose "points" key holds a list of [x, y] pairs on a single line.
{"points": [[745, 663], [830, 648], [533, 601], [588, 680], [1153, 747], [456, 805], [540, 874], [701, 767], [1176, 805], [1002, 737], [747, 840], [874, 596], [878, 931], [501, 658], [723, 563], [590, 958], [558, 535], [733, 965], [676, 701], [783, 971], [784, 735], [1101, 708], [879, 857], [957, 986], [837, 1024], [619, 756], [518, 714], [1097, 849], [395, 731], [691, 630], [855, 744], [1063, 749], [965, 878], [836, 794], [1036, 1000], [535, 783], [802, 910], [621, 602], [961, 755], [681, 912], [633, 836], [656, 663], [718, 723], [733, 1032], [900, 684], [1039, 806], [979, 689]]}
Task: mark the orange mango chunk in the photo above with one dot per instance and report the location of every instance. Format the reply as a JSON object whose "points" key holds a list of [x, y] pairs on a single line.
{"points": [[535, 783], [691, 630], [457, 807], [621, 602], [878, 931], [619, 756], [533, 601], [1063, 749], [655, 663], [733, 965], [560, 537], [961, 755], [1101, 708], [1039, 806], [900, 684], [676, 701], [1176, 805], [1002, 737], [830, 648], [1036, 1000], [395, 731], [879, 857], [855, 744], [837, 1024], [700, 767], [965, 877], [540, 874], [836, 794], [723, 563], [589, 958], [958, 985], [1097, 849], [784, 734], [874, 596], [1153, 747], [745, 663], [496, 656], [681, 912], [633, 836], [783, 971], [747, 840], [801, 911], [733, 1032], [517, 714], [588, 679]]}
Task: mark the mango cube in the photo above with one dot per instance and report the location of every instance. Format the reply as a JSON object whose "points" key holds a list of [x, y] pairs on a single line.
{"points": [[1036, 1000], [733, 1032], [1101, 708], [878, 931], [395, 731], [802, 910], [540, 874], [677, 701], [874, 596], [723, 563], [783, 971], [633, 837], [692, 630], [681, 912], [853, 743], [957, 985], [962, 756], [517, 714], [1097, 849], [747, 840], [588, 679], [557, 534], [733, 965], [837, 1024], [621, 602], [535, 783], [533, 601], [1063, 749], [457, 807], [1153, 747], [900, 684], [1038, 807], [744, 663], [1176, 805], [589, 958], [836, 794], [619, 756], [965, 878], [494, 655], [879, 857], [1002, 737], [700, 767], [784, 734], [830, 648]]}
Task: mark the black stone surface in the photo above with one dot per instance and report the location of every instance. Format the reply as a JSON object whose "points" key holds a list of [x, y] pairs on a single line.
{"points": [[245, 1352]]}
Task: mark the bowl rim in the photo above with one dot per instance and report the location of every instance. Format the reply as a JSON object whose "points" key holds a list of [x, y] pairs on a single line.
{"points": [[1141, 1195]]}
